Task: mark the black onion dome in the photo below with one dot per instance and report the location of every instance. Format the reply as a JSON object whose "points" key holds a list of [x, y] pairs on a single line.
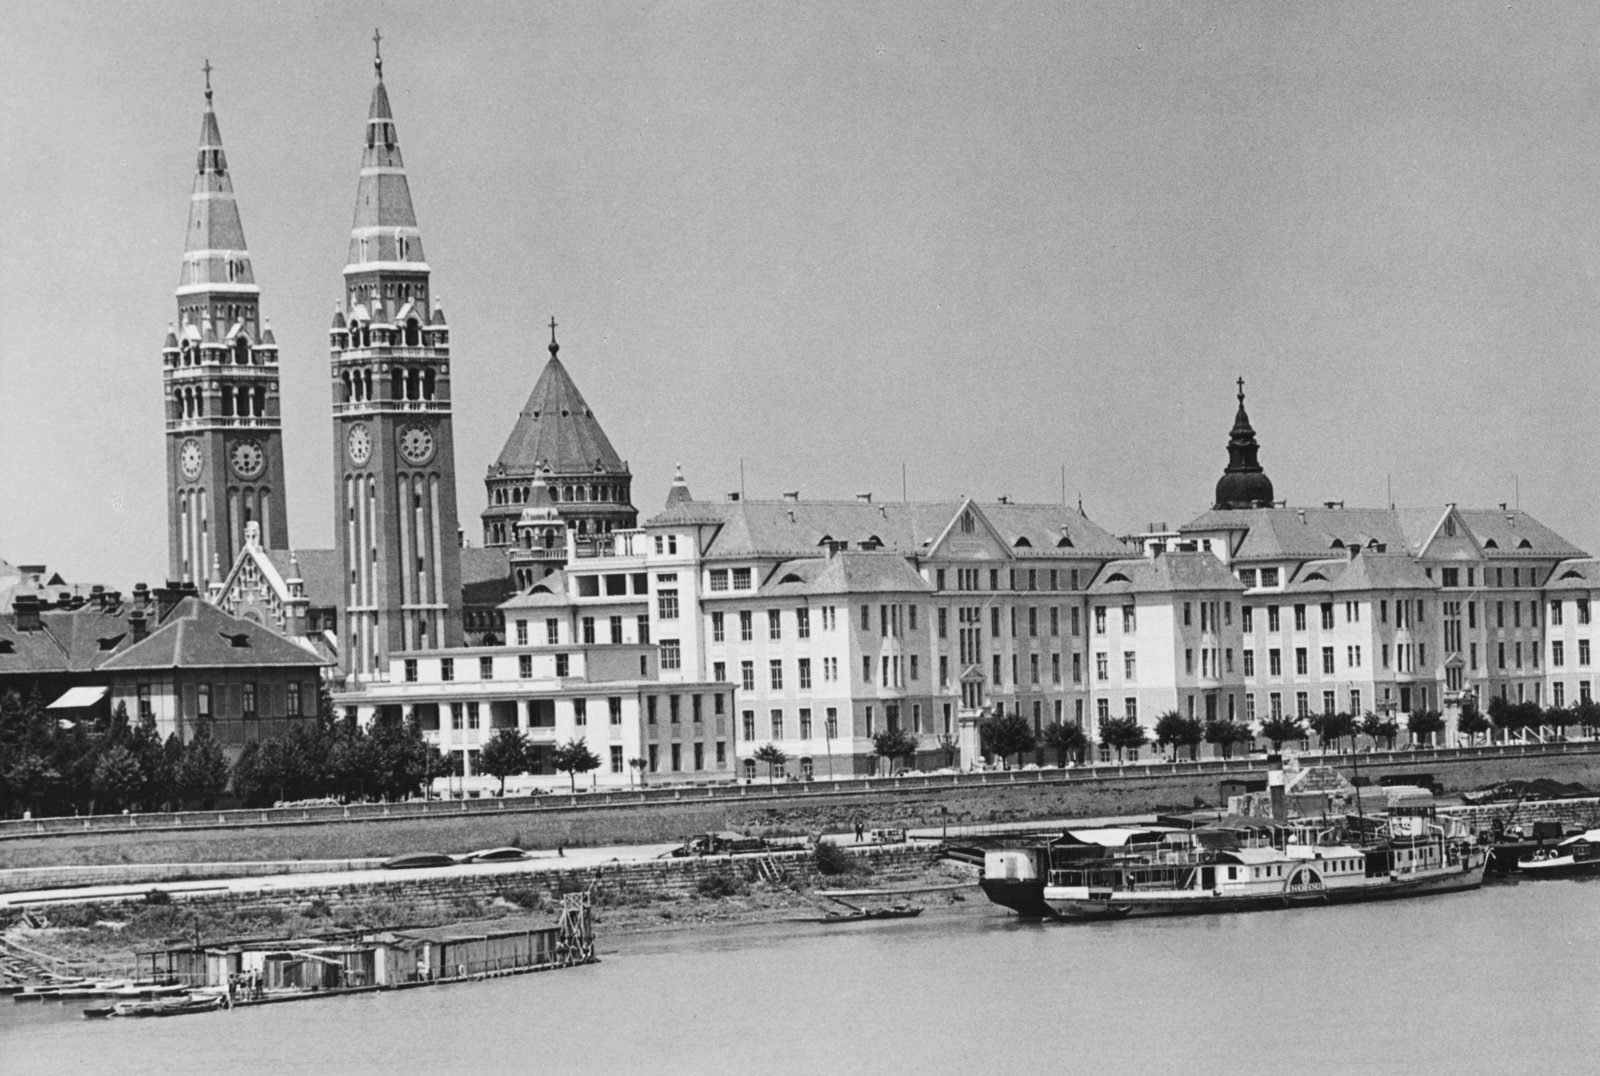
{"points": [[1243, 483]]}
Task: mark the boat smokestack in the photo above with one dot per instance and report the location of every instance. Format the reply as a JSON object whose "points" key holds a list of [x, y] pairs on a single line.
{"points": [[1280, 807]]}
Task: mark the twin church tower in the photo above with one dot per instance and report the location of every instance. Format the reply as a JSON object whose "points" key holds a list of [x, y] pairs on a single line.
{"points": [[395, 579]]}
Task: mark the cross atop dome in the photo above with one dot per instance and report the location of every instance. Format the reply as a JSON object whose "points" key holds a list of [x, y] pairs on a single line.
{"points": [[377, 53], [1243, 484]]}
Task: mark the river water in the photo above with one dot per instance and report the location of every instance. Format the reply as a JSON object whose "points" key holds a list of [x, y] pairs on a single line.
{"points": [[1503, 980]]}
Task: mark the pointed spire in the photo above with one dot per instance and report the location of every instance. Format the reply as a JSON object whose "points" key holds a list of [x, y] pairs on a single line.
{"points": [[1243, 484], [679, 492], [214, 252], [384, 234]]}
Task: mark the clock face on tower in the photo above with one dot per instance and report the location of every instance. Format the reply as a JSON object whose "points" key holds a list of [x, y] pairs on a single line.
{"points": [[189, 459], [359, 444], [247, 458], [416, 444]]}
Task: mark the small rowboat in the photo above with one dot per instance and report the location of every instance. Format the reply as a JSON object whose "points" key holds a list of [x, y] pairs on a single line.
{"points": [[178, 1006]]}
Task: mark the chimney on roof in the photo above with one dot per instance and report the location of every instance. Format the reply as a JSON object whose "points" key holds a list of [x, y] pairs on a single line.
{"points": [[1301, 512], [864, 498], [141, 596], [733, 496], [1332, 504], [167, 599], [1004, 498], [113, 600], [138, 624], [792, 496], [26, 609], [1353, 550], [97, 596], [1502, 506]]}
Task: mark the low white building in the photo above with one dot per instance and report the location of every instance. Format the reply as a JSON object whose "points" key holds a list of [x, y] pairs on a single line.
{"points": [[607, 695]]}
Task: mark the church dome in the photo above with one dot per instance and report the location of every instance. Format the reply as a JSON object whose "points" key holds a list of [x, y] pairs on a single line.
{"points": [[1243, 483]]}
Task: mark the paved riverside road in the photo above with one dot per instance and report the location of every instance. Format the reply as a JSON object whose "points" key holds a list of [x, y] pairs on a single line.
{"points": [[572, 859]]}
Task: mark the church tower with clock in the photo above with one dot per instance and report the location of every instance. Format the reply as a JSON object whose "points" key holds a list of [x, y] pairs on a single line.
{"points": [[220, 381], [394, 472]]}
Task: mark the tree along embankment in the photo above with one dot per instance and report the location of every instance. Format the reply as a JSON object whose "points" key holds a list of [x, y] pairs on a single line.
{"points": [[780, 814]]}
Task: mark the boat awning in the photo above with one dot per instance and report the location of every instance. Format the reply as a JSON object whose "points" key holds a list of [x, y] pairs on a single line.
{"points": [[79, 697]]}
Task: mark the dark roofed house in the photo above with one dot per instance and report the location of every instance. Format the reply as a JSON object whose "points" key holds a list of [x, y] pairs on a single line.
{"points": [[164, 653]]}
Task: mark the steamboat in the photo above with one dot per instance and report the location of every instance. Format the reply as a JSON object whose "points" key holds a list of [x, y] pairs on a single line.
{"points": [[1232, 865]]}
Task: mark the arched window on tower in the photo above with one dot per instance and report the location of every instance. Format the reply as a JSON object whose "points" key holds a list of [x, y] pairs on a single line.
{"points": [[260, 401], [397, 387], [227, 403], [241, 351], [413, 331], [344, 382], [427, 383], [413, 384], [366, 386]]}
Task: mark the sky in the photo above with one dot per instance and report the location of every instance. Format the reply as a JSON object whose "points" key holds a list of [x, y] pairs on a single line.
{"points": [[994, 244]]}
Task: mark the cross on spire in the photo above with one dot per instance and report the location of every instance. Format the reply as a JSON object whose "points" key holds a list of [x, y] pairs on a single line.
{"points": [[377, 51], [1241, 392], [554, 347], [207, 70]]}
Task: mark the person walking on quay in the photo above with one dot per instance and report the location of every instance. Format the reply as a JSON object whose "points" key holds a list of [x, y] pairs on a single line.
{"points": [[861, 830]]}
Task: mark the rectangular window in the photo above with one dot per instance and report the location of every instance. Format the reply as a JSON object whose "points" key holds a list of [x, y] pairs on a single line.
{"points": [[671, 657], [1558, 654], [943, 617], [1188, 660], [291, 699], [805, 724], [944, 670], [677, 758], [1275, 705], [644, 629], [1247, 576], [411, 670], [1055, 668], [747, 675], [719, 579], [1099, 620], [616, 631], [748, 724], [650, 710], [249, 700], [1272, 619], [674, 709], [588, 631], [1247, 618], [1130, 665], [1583, 610], [447, 669], [746, 626], [563, 665], [486, 668], [1327, 661], [580, 711], [1274, 662], [1129, 621], [1100, 666], [717, 628], [775, 674], [457, 722], [667, 604], [1077, 668], [866, 668], [1583, 651], [1327, 616], [914, 673], [1249, 662], [616, 759], [722, 754], [1033, 621], [522, 633], [525, 666], [805, 674], [1269, 577], [774, 625], [776, 717], [552, 632], [1075, 626], [1302, 705], [741, 579], [802, 622]]}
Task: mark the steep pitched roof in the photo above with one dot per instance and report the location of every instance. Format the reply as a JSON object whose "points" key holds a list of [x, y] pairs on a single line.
{"points": [[199, 635], [486, 577], [800, 528], [557, 429], [319, 571], [1368, 571], [1298, 533], [1169, 573], [846, 573], [384, 215], [1580, 574]]}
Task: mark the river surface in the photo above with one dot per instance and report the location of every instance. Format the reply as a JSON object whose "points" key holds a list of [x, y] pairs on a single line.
{"points": [[1503, 980]]}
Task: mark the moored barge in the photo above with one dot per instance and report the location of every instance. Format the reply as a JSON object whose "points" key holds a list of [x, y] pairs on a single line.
{"points": [[1232, 865]]}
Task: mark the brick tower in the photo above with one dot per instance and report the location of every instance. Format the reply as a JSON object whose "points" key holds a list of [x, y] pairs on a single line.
{"points": [[220, 375], [394, 455]]}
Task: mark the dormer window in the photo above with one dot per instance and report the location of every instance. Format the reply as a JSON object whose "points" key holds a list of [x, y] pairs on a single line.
{"points": [[968, 523], [239, 640], [110, 642]]}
